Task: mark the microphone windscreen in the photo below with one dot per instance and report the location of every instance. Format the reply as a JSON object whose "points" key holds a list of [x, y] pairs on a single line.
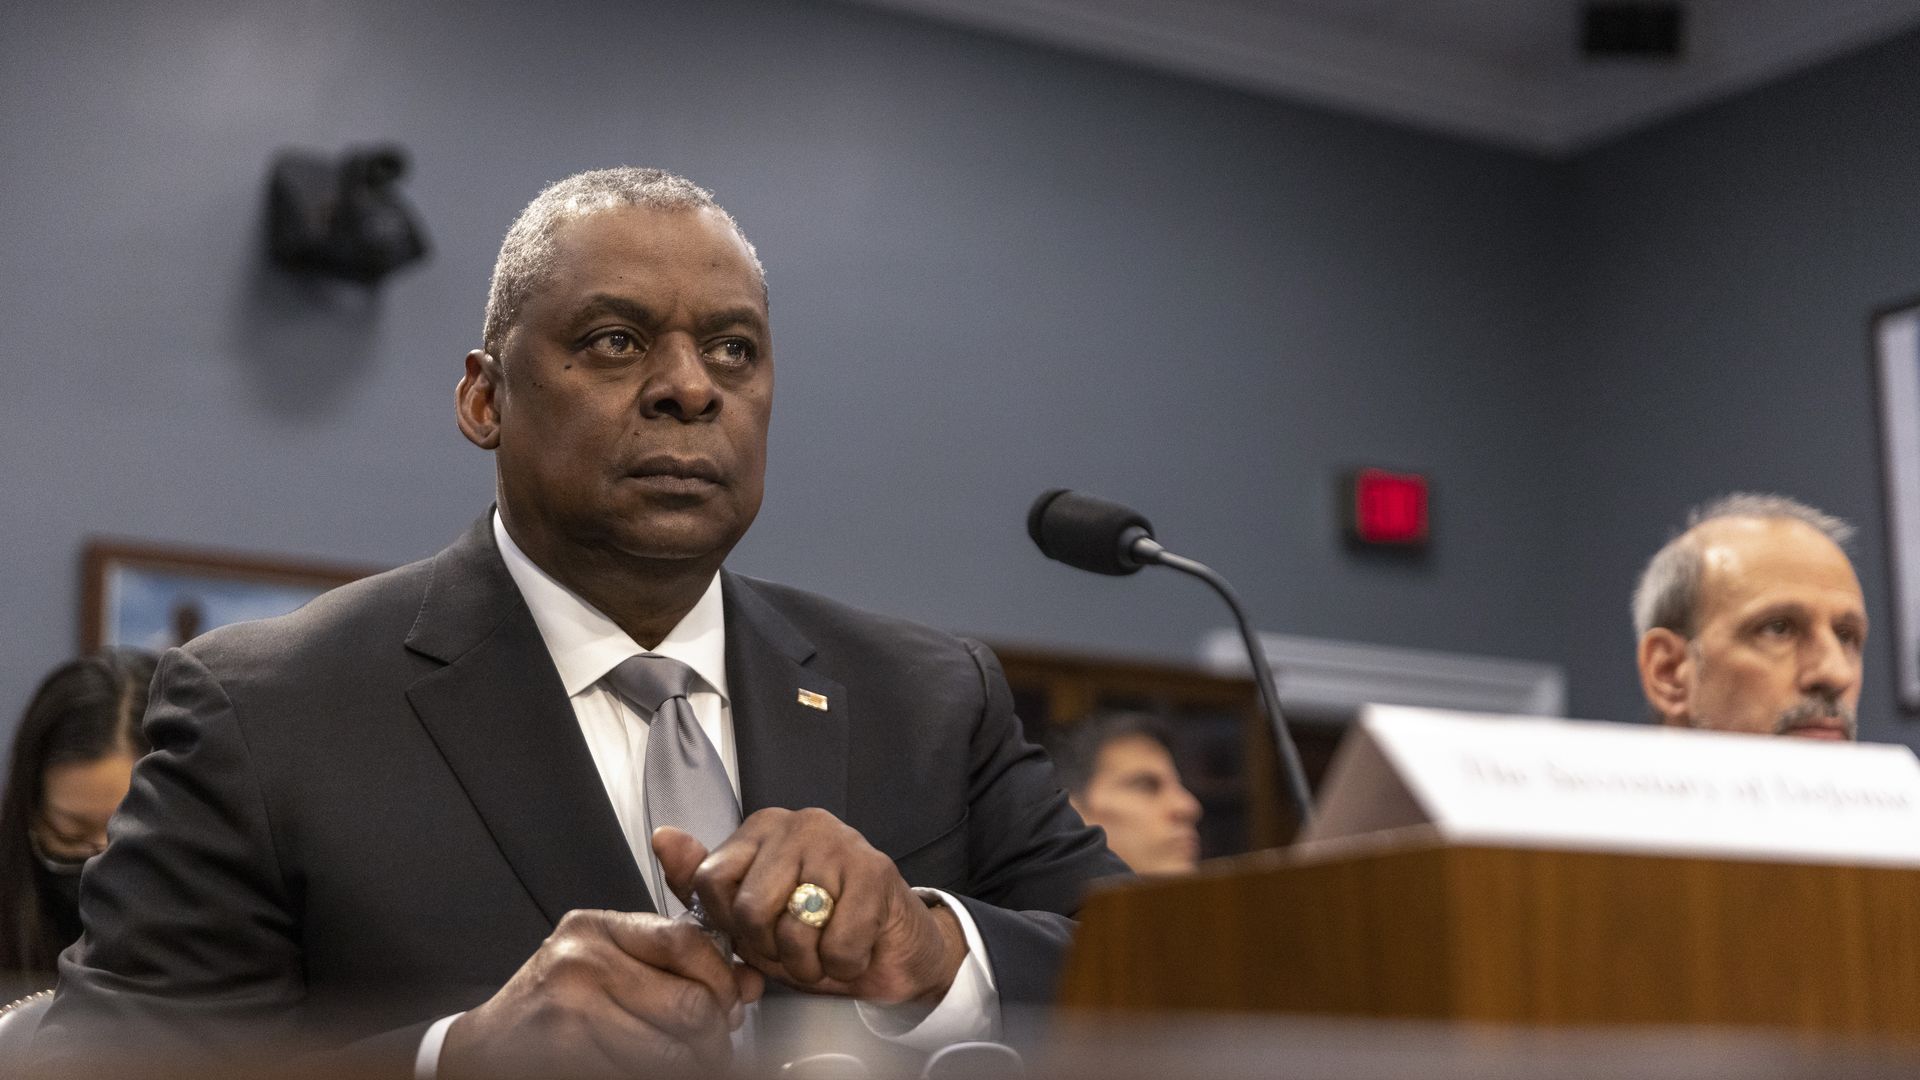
{"points": [[1083, 531]]}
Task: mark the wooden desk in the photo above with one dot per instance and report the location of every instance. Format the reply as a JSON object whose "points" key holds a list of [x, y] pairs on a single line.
{"points": [[1513, 936]]}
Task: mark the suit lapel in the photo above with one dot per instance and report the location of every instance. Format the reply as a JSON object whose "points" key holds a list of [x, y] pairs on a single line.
{"points": [[500, 717], [791, 754]]}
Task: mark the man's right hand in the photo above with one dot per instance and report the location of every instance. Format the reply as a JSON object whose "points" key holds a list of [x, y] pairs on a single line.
{"points": [[608, 994]]}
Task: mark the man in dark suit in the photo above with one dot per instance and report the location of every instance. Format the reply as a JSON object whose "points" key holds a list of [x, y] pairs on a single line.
{"points": [[419, 815]]}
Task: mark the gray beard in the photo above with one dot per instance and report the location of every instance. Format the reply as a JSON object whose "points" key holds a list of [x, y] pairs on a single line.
{"points": [[1817, 707]]}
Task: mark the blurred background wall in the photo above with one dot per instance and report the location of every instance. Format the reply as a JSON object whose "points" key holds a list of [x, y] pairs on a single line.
{"points": [[995, 268], [1725, 267]]}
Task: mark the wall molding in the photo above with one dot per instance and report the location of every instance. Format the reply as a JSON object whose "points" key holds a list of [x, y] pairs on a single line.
{"points": [[1321, 675]]}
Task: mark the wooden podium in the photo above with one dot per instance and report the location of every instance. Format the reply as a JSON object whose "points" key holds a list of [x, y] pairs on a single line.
{"points": [[1416, 928]]}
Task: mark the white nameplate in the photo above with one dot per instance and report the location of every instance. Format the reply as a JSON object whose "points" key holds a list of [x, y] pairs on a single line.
{"points": [[1526, 782]]}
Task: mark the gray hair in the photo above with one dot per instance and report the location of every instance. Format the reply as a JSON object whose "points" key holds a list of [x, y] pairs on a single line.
{"points": [[1668, 595], [526, 255]]}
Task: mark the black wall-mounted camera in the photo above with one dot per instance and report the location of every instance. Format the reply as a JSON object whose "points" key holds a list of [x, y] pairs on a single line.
{"points": [[342, 217]]}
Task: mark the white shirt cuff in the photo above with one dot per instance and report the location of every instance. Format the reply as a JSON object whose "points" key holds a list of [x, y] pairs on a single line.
{"points": [[426, 1063], [969, 1013]]}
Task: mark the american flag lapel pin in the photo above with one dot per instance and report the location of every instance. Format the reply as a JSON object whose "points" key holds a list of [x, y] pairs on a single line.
{"points": [[813, 701]]}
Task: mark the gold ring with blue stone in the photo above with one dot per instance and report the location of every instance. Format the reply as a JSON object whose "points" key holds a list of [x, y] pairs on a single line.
{"points": [[811, 904]]}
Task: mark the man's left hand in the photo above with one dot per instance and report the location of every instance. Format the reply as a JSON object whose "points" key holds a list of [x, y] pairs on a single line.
{"points": [[881, 943]]}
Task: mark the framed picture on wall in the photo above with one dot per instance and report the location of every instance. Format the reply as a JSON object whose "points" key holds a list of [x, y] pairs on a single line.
{"points": [[153, 596], [1896, 349]]}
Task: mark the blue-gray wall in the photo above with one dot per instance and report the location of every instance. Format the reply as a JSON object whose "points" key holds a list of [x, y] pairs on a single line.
{"points": [[1716, 338], [995, 269]]}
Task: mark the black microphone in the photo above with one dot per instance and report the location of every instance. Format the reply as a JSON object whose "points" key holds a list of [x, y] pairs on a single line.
{"points": [[1090, 533], [1087, 533]]}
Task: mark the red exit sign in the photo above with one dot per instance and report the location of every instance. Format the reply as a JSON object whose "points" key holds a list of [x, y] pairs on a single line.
{"points": [[1387, 509]]}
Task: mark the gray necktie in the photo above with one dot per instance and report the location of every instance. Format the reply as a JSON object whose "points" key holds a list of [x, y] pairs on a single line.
{"points": [[686, 783]]}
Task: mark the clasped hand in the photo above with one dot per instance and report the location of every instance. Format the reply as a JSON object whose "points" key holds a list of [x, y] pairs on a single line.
{"points": [[609, 992], [882, 942]]}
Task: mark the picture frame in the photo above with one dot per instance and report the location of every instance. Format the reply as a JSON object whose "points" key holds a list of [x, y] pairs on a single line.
{"points": [[155, 596], [1895, 335]]}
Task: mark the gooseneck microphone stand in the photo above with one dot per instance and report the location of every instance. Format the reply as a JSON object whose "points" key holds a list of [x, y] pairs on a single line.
{"points": [[1148, 550]]}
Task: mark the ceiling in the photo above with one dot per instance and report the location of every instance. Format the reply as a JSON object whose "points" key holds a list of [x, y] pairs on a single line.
{"points": [[1503, 71]]}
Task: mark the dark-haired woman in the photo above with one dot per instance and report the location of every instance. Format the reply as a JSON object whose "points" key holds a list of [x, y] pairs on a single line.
{"points": [[73, 756]]}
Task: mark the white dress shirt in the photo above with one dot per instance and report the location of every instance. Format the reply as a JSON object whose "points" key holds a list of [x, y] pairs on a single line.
{"points": [[586, 646]]}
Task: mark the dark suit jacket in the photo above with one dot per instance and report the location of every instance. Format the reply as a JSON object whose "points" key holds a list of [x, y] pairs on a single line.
{"points": [[367, 814]]}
